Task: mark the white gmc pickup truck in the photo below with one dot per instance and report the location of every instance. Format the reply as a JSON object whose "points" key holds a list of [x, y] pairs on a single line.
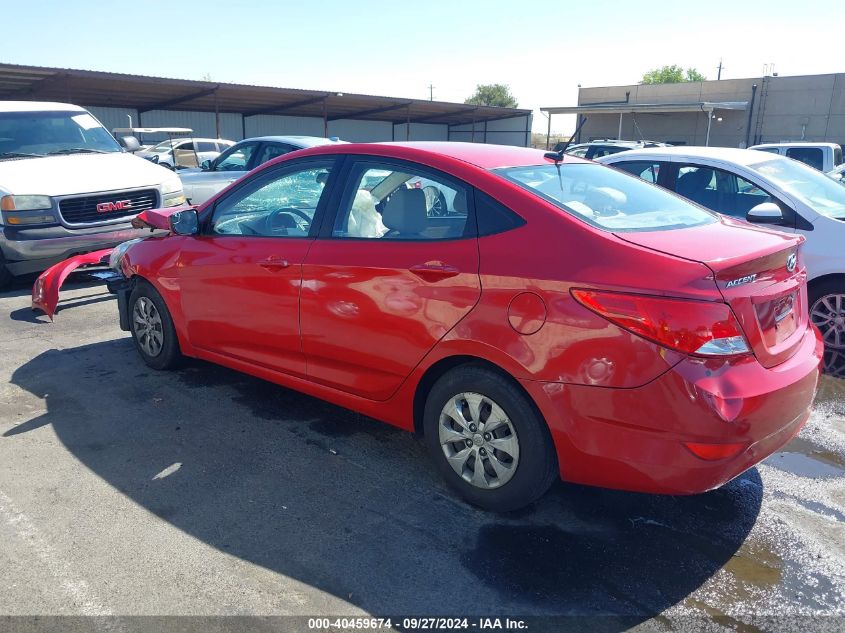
{"points": [[68, 187]]}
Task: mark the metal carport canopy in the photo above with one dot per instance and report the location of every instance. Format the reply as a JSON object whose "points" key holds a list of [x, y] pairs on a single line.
{"points": [[107, 89]]}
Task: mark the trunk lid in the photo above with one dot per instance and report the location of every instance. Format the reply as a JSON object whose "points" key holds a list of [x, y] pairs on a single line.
{"points": [[759, 272]]}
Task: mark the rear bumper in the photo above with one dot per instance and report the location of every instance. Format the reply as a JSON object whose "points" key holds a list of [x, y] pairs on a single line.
{"points": [[36, 249], [633, 439]]}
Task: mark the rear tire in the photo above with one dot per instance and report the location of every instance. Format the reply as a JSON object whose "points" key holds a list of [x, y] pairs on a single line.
{"points": [[152, 328], [488, 440]]}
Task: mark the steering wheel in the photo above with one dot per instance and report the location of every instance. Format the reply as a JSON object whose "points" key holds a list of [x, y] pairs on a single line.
{"points": [[280, 220]]}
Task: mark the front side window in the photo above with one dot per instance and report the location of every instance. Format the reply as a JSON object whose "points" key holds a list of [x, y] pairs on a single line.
{"points": [[401, 204], [822, 194], [43, 133], [607, 198], [279, 206], [719, 190], [812, 156], [235, 158]]}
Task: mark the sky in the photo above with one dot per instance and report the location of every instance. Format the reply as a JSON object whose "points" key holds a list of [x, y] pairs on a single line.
{"points": [[541, 50]]}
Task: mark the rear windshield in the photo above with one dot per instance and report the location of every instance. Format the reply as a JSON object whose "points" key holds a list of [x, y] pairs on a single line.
{"points": [[818, 191], [608, 198]]}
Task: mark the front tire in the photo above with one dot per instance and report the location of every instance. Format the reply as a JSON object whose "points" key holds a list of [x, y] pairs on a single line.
{"points": [[488, 440], [152, 328]]}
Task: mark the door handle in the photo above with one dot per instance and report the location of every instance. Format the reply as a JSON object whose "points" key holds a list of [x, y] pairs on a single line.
{"points": [[274, 263], [434, 272]]}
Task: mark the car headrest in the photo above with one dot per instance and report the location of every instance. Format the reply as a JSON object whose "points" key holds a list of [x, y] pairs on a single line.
{"points": [[405, 211], [459, 204], [694, 181]]}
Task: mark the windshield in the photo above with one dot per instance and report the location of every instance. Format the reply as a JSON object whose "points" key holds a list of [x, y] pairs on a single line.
{"points": [[812, 187], [163, 147], [608, 198], [41, 133]]}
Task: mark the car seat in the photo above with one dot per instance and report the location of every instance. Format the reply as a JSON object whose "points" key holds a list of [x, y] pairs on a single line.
{"points": [[405, 213]]}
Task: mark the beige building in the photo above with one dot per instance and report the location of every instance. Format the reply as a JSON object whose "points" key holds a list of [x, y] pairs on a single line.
{"points": [[726, 113]]}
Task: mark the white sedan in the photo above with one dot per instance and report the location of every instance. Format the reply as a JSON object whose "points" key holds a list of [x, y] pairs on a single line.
{"points": [[766, 189]]}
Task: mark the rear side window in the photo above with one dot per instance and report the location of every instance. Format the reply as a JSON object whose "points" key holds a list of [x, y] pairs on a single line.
{"points": [[393, 202], [644, 169], [607, 198], [812, 156], [494, 217]]}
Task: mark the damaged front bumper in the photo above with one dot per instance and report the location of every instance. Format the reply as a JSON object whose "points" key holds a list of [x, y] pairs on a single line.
{"points": [[45, 291]]}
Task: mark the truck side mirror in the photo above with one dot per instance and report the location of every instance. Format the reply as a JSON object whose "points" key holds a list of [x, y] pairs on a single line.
{"points": [[765, 213], [129, 143], [206, 164]]}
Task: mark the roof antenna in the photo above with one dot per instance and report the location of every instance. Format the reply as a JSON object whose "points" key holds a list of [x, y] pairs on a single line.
{"points": [[557, 155]]}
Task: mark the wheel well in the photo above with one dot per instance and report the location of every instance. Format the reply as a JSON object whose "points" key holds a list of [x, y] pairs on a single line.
{"points": [[441, 367], [826, 278]]}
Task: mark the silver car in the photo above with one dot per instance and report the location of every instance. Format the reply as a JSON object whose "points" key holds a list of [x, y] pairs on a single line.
{"points": [[215, 175]]}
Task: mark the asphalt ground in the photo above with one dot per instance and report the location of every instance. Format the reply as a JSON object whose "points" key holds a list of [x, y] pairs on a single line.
{"points": [[204, 492]]}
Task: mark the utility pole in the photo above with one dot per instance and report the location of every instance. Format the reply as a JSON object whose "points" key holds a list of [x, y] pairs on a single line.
{"points": [[430, 92], [719, 76]]}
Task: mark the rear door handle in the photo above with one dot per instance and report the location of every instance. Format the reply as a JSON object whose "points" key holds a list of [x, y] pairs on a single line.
{"points": [[274, 263], [434, 272]]}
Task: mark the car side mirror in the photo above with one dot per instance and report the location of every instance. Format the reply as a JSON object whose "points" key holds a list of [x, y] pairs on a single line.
{"points": [[129, 143], [206, 165], [765, 213], [185, 222]]}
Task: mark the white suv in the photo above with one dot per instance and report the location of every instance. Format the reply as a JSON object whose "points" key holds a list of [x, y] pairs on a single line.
{"points": [[67, 187]]}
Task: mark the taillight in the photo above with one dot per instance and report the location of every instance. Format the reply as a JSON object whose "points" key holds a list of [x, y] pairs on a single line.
{"points": [[702, 328]]}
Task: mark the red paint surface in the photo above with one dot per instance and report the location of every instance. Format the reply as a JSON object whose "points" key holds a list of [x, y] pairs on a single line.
{"points": [[359, 323]]}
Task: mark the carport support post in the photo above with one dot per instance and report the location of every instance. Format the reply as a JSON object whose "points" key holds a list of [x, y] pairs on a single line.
{"points": [[325, 119], [217, 114], [709, 122], [549, 131], [408, 124], [619, 133]]}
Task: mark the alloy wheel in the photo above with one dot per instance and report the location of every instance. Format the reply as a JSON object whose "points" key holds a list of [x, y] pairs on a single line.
{"points": [[147, 326], [478, 440], [828, 314]]}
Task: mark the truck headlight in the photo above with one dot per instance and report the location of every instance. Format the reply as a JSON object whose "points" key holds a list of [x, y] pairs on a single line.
{"points": [[118, 253], [172, 185], [27, 203]]}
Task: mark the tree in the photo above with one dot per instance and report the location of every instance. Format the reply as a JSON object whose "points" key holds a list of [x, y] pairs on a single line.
{"points": [[493, 95], [671, 75]]}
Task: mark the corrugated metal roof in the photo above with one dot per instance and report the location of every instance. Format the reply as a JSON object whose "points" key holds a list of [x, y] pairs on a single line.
{"points": [[144, 93]]}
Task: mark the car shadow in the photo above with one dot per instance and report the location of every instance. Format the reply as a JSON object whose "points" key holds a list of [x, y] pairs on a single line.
{"points": [[353, 507]]}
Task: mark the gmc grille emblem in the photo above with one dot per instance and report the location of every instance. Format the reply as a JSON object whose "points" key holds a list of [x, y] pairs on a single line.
{"points": [[117, 205]]}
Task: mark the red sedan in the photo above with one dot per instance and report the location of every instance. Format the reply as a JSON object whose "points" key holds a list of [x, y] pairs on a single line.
{"points": [[534, 316]]}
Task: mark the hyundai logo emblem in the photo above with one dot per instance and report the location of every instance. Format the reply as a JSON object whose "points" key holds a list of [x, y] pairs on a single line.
{"points": [[791, 262]]}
